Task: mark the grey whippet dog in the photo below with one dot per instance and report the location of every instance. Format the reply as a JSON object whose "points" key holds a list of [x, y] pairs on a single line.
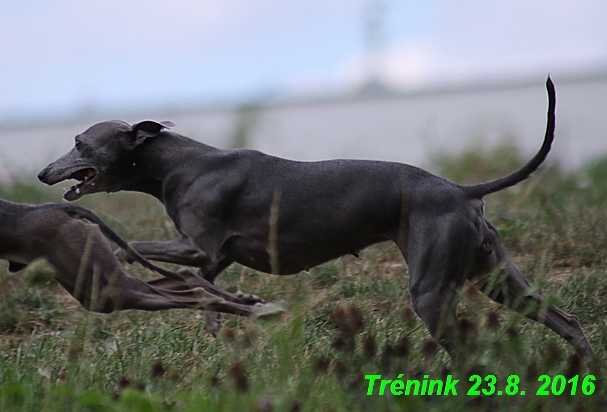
{"points": [[73, 241], [281, 216]]}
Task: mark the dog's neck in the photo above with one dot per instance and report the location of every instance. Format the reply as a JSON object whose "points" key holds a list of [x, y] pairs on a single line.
{"points": [[156, 163]]}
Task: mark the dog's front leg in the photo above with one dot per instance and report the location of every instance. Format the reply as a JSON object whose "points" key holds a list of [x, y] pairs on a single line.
{"points": [[211, 275], [180, 251]]}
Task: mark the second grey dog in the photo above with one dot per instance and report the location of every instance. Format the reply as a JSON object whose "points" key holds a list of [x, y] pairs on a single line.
{"points": [[73, 241], [281, 216]]}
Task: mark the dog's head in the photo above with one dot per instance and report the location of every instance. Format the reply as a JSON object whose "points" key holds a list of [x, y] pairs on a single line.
{"points": [[100, 157]]}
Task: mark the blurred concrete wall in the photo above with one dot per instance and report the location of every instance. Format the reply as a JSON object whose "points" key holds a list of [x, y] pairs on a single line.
{"points": [[407, 127]]}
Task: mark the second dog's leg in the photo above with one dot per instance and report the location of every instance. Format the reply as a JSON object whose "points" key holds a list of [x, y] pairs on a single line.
{"points": [[88, 269], [213, 320]]}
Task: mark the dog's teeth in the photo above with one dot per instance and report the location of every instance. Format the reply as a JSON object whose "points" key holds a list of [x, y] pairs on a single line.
{"points": [[77, 190]]}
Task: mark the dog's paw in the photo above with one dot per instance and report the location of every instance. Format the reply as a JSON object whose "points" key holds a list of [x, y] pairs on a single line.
{"points": [[248, 298], [267, 310]]}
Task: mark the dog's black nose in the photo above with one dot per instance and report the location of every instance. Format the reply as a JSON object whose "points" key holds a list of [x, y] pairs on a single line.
{"points": [[42, 176]]}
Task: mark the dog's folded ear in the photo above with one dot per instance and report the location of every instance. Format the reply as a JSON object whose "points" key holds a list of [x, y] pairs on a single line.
{"points": [[144, 130]]}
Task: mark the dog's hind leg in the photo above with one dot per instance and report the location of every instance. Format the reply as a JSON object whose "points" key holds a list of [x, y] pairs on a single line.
{"points": [[497, 276], [192, 280], [439, 255], [214, 320], [509, 287]]}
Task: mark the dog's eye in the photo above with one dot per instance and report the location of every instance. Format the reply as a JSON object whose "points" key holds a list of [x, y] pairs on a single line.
{"points": [[78, 142]]}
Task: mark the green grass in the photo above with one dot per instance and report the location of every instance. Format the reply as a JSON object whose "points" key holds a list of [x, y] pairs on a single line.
{"points": [[346, 319]]}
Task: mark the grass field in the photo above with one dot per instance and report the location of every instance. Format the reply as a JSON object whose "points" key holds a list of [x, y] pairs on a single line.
{"points": [[347, 319]]}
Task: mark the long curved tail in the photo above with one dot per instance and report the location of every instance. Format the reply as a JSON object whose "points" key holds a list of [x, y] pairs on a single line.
{"points": [[83, 213], [483, 189]]}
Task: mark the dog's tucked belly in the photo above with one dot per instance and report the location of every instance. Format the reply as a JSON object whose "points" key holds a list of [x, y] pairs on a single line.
{"points": [[291, 258]]}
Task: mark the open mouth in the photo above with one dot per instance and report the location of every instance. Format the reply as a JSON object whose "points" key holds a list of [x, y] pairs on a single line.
{"points": [[85, 176]]}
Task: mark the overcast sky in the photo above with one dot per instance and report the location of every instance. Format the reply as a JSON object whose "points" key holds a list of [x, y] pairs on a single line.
{"points": [[65, 56]]}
